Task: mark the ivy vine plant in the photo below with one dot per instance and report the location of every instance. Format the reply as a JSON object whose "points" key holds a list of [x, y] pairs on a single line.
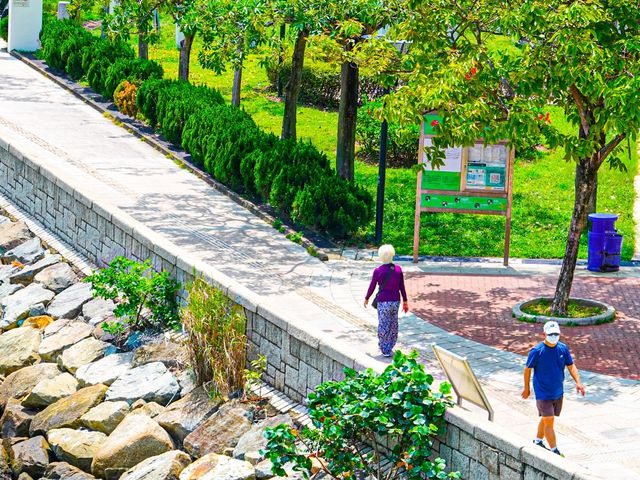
{"points": [[368, 418]]}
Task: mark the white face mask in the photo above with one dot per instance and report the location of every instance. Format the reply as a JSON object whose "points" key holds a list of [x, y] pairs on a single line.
{"points": [[552, 339]]}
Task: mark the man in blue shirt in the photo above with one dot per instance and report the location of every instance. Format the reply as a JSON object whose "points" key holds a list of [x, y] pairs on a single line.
{"points": [[548, 360]]}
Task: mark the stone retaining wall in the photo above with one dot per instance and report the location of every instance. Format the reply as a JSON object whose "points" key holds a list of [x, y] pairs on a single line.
{"points": [[297, 359]]}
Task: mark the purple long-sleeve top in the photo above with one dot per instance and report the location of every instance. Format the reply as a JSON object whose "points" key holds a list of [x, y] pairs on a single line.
{"points": [[394, 287]]}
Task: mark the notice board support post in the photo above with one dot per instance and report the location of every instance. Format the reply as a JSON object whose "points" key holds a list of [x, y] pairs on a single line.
{"points": [[507, 228], [416, 224]]}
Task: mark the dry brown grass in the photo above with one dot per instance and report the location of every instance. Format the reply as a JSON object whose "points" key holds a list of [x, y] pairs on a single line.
{"points": [[217, 341]]}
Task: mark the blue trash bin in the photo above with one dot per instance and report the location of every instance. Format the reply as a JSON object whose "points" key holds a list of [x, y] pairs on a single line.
{"points": [[603, 222], [605, 244], [611, 252]]}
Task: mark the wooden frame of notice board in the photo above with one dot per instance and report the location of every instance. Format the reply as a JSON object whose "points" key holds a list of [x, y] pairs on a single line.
{"points": [[474, 180]]}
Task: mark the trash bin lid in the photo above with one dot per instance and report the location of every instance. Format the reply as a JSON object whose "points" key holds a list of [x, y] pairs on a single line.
{"points": [[603, 216]]}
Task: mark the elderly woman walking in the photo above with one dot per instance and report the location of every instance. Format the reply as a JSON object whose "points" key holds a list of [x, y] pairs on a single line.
{"points": [[390, 279]]}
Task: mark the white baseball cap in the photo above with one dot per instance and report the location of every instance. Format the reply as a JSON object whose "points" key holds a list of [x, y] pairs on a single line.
{"points": [[551, 327]]}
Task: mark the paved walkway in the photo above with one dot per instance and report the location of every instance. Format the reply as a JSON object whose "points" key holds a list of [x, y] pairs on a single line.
{"points": [[113, 167]]}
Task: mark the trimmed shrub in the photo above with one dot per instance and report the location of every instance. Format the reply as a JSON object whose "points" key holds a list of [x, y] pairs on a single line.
{"points": [[302, 164], [98, 57], [135, 70], [321, 84], [168, 104], [72, 50], [53, 36], [125, 98], [147, 99], [402, 142], [334, 205], [4, 28]]}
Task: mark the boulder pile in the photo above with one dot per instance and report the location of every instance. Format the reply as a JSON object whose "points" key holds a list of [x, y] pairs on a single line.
{"points": [[74, 406]]}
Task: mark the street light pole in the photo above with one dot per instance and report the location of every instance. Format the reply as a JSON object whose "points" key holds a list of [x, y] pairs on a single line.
{"points": [[382, 171]]}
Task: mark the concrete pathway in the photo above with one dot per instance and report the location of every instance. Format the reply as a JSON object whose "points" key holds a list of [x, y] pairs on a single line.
{"points": [[113, 167]]}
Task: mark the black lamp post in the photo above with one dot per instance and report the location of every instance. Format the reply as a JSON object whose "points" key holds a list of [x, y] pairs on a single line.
{"points": [[382, 172], [402, 47]]}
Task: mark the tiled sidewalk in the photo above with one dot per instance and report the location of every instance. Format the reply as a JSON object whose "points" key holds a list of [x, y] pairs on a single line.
{"points": [[478, 307]]}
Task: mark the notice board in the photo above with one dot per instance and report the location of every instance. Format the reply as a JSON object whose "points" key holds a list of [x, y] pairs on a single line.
{"points": [[476, 179]]}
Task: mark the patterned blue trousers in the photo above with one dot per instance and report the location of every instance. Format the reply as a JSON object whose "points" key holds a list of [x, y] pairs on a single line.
{"points": [[387, 326]]}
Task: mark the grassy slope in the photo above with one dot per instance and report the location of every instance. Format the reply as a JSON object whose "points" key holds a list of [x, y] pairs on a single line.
{"points": [[543, 189]]}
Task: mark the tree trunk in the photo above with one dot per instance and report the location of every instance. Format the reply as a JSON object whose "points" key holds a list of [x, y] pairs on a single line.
{"points": [[586, 178], [143, 48], [185, 57], [292, 90], [592, 204], [347, 116], [237, 85], [237, 74]]}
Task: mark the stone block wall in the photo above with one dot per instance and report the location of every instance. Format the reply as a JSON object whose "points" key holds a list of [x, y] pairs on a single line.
{"points": [[297, 359]]}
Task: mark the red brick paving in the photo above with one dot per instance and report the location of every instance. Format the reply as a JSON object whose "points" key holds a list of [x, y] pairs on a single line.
{"points": [[478, 307]]}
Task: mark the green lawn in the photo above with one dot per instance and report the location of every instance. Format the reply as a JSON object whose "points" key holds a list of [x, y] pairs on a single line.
{"points": [[543, 188]]}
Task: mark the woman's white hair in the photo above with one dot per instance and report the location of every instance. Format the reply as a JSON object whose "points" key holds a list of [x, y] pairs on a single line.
{"points": [[386, 253]]}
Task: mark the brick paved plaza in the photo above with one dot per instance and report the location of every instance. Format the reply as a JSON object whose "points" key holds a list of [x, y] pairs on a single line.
{"points": [[478, 307]]}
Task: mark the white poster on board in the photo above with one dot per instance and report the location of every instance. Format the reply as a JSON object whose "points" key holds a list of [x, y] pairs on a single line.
{"points": [[452, 158]]}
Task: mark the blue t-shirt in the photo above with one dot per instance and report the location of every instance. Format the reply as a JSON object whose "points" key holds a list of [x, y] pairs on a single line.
{"points": [[548, 365]]}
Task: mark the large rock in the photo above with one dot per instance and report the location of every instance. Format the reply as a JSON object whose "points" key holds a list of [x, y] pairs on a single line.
{"points": [[151, 382], [7, 289], [6, 271], [18, 349], [84, 352], [16, 420], [169, 353], [167, 466], [60, 337], [105, 417], [21, 382], [27, 252], [13, 234], [64, 471], [30, 456], [218, 467], [66, 413], [134, 440], [221, 431], [40, 322], [5, 468], [182, 417], [253, 441], [68, 303], [50, 390], [17, 306], [25, 275], [57, 277], [105, 370], [97, 310], [76, 447], [150, 409]]}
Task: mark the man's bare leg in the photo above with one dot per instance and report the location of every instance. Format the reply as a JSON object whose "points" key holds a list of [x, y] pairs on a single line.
{"points": [[549, 433]]}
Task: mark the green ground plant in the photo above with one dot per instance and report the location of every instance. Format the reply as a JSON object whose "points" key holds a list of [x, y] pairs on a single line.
{"points": [[575, 309], [217, 341], [397, 405], [136, 287]]}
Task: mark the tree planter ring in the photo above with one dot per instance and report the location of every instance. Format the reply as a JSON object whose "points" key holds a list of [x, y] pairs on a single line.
{"points": [[607, 316]]}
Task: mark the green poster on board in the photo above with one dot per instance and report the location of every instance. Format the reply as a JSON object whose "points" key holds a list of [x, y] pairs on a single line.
{"points": [[439, 180]]}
